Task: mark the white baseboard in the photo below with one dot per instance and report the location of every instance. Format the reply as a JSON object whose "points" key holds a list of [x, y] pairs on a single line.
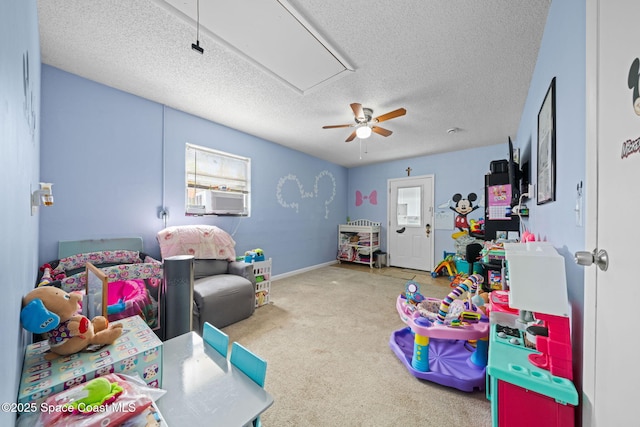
{"points": [[303, 270]]}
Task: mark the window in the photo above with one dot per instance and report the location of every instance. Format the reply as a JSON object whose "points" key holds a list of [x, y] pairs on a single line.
{"points": [[217, 183], [409, 206]]}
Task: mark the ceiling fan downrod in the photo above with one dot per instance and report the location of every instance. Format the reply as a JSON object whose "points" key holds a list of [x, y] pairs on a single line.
{"points": [[196, 46]]}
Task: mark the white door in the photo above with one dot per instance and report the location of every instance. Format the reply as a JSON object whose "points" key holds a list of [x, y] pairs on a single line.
{"points": [[611, 343], [410, 231]]}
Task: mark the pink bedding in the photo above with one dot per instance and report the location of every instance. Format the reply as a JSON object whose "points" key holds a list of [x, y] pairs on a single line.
{"points": [[201, 241]]}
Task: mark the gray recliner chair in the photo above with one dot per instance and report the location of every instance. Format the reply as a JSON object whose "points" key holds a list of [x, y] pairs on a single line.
{"points": [[224, 292]]}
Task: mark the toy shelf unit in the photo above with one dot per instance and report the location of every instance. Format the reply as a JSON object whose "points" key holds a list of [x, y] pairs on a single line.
{"points": [[358, 241], [262, 272]]}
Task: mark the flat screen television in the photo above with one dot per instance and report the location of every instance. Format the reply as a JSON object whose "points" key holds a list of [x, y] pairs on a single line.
{"points": [[514, 177]]}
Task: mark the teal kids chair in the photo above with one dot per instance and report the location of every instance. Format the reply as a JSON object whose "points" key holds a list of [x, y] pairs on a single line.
{"points": [[251, 365], [215, 338]]}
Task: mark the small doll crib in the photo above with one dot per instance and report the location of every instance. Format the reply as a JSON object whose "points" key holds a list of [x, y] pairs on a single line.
{"points": [[130, 281]]}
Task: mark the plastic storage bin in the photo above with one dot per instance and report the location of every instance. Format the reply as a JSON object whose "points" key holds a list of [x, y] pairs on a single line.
{"points": [[462, 266]]}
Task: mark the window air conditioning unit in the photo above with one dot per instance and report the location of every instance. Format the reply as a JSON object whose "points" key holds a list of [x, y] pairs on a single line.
{"points": [[216, 202], [225, 202]]}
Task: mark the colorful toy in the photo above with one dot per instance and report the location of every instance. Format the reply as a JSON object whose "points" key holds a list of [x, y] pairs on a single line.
{"points": [[457, 279], [128, 298], [94, 394], [459, 234], [481, 300], [261, 297], [527, 236], [448, 264], [110, 400], [436, 344], [53, 313], [476, 226], [412, 293], [48, 276], [495, 279], [254, 255], [457, 292]]}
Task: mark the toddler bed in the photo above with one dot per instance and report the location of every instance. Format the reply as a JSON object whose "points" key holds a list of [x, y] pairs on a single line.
{"points": [[132, 279]]}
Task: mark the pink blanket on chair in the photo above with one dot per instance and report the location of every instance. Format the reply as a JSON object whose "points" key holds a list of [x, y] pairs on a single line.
{"points": [[201, 241]]}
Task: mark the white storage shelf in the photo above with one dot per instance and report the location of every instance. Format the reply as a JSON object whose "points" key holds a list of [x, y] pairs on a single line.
{"points": [[262, 272], [358, 241]]}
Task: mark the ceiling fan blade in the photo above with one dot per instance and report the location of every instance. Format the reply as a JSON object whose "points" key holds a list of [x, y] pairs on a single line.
{"points": [[381, 131], [336, 126], [351, 137], [391, 115], [357, 111]]}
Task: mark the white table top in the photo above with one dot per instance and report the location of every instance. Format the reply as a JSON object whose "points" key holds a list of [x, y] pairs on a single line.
{"points": [[203, 388]]}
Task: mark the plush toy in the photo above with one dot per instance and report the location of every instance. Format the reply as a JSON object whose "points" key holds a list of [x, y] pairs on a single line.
{"points": [[481, 300], [52, 312]]}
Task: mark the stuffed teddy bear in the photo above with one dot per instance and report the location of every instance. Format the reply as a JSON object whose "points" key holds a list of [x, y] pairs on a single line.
{"points": [[54, 313]]}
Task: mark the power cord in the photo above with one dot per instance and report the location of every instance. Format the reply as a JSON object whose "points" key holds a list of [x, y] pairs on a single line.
{"points": [[233, 233], [519, 209]]}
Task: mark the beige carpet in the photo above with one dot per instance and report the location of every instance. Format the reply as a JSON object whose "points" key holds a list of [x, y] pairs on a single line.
{"points": [[325, 336]]}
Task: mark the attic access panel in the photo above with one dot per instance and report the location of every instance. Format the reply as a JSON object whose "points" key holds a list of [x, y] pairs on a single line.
{"points": [[270, 34]]}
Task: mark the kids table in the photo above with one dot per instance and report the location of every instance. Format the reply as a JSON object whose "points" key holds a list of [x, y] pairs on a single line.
{"points": [[202, 385]]}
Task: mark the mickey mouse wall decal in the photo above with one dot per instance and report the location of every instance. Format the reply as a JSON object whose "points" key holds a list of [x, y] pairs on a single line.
{"points": [[463, 208], [634, 83]]}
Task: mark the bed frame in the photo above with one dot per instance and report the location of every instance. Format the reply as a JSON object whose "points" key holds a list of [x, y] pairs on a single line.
{"points": [[72, 247], [98, 278]]}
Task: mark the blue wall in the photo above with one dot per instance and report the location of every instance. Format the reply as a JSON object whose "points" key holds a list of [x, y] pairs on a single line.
{"points": [[102, 149], [562, 55], [458, 172], [115, 159], [20, 154]]}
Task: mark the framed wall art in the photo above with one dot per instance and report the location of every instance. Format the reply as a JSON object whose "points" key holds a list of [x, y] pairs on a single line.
{"points": [[546, 183]]}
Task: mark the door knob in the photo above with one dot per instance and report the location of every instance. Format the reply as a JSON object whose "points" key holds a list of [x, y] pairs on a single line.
{"points": [[599, 258], [401, 230], [427, 229]]}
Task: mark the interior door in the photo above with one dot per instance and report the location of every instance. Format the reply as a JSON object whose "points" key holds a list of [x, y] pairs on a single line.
{"points": [[410, 231], [610, 379]]}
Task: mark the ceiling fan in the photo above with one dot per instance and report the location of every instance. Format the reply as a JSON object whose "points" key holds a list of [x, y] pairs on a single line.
{"points": [[365, 123]]}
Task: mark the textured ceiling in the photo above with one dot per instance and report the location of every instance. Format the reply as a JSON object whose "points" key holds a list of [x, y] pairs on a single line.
{"points": [[463, 64]]}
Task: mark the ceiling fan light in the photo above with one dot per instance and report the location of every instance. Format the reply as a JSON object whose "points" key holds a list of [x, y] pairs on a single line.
{"points": [[363, 132]]}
